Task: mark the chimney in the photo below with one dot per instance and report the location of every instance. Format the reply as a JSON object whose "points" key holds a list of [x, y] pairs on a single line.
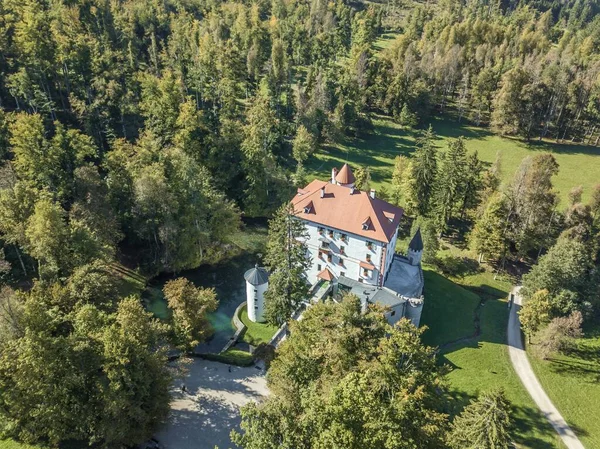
{"points": [[372, 193], [323, 192], [333, 175]]}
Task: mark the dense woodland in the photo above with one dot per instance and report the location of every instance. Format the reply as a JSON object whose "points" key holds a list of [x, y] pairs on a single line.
{"points": [[150, 128]]}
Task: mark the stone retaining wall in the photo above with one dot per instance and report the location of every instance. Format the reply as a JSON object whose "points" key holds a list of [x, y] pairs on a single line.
{"points": [[241, 327]]}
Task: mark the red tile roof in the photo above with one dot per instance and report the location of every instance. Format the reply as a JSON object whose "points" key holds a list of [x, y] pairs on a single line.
{"points": [[345, 175], [347, 212], [326, 274], [367, 265]]}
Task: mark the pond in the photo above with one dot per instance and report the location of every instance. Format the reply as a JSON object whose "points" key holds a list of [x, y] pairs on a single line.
{"points": [[227, 278]]}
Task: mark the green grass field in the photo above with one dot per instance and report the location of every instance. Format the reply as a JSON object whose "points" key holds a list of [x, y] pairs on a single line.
{"points": [[579, 165], [480, 363], [573, 383], [256, 333]]}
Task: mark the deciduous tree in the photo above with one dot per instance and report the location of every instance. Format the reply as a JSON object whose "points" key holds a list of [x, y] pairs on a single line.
{"points": [[189, 305]]}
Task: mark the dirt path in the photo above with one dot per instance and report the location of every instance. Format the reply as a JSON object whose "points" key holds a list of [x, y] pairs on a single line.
{"points": [[518, 357]]}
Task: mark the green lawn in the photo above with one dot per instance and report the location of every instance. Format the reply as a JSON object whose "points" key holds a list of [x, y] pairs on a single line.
{"points": [[579, 164], [232, 357], [256, 333], [573, 383], [481, 363], [450, 315]]}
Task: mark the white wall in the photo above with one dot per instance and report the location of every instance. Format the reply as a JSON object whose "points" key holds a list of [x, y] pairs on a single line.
{"points": [[255, 300], [355, 251]]}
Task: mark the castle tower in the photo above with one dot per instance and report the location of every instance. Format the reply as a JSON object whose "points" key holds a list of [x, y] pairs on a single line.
{"points": [[415, 249], [257, 281], [344, 177]]}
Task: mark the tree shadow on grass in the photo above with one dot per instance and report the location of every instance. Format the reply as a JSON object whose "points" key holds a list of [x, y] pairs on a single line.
{"points": [[589, 372], [562, 148]]}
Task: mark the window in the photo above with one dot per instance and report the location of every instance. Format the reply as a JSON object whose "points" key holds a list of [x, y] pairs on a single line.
{"points": [[342, 273], [330, 233], [344, 238], [393, 313], [342, 250], [255, 307], [360, 280], [341, 262], [365, 226], [329, 258], [325, 245], [307, 210], [368, 258], [320, 230], [369, 244], [366, 273], [320, 254], [255, 291], [319, 267]]}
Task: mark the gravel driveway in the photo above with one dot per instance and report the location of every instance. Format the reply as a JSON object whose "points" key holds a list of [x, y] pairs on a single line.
{"points": [[204, 415]]}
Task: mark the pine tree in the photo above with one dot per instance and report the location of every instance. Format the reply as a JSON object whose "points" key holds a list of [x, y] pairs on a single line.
{"points": [[407, 118], [473, 183], [287, 262], [483, 424], [422, 176], [450, 185]]}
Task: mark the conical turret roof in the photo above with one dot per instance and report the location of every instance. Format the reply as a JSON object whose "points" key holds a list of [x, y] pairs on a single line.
{"points": [[345, 175], [416, 244], [257, 275]]}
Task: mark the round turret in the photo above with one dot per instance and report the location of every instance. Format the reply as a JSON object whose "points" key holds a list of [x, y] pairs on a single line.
{"points": [[415, 249], [257, 282]]}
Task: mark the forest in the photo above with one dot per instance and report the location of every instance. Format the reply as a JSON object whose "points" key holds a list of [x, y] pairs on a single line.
{"points": [[152, 129]]}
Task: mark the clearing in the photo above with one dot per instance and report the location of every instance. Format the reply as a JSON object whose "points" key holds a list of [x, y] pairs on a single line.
{"points": [[579, 164]]}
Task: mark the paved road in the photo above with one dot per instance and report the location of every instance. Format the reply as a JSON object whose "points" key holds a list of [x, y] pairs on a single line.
{"points": [[522, 366], [205, 414]]}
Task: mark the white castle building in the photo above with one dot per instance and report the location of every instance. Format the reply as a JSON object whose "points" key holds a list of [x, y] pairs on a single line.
{"points": [[351, 243]]}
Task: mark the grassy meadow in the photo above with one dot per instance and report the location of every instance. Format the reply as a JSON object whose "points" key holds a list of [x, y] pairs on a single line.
{"points": [[579, 164], [468, 323], [572, 381]]}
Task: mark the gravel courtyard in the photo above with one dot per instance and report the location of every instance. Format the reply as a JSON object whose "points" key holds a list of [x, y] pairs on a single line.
{"points": [[203, 416]]}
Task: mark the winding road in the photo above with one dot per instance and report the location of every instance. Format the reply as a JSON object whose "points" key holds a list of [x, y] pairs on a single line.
{"points": [[523, 368]]}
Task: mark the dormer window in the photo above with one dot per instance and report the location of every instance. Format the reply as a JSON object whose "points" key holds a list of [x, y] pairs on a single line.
{"points": [[367, 224], [309, 208]]}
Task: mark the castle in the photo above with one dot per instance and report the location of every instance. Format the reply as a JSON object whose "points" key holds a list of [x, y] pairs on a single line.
{"points": [[351, 242]]}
